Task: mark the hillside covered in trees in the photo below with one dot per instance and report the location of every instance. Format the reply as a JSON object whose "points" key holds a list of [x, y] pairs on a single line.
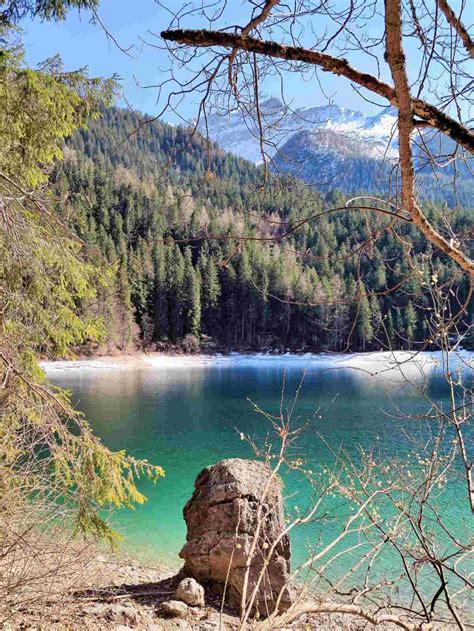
{"points": [[164, 212]]}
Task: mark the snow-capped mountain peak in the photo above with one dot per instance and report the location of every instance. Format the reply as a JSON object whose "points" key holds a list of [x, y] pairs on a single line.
{"points": [[336, 148], [238, 134]]}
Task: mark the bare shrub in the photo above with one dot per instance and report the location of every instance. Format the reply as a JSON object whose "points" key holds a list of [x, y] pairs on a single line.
{"points": [[397, 556], [191, 344]]}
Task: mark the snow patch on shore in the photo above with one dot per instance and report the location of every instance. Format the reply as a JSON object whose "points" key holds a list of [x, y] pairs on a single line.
{"points": [[375, 363], [129, 361]]}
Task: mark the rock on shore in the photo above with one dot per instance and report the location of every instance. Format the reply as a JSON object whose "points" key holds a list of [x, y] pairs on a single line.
{"points": [[222, 517]]}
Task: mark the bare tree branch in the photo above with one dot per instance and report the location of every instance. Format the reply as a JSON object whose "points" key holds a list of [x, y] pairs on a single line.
{"points": [[312, 607], [261, 17], [429, 113], [457, 25], [398, 96], [396, 60]]}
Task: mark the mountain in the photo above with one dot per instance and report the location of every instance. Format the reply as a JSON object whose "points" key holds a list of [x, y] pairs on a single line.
{"points": [[165, 217], [372, 135], [332, 147]]}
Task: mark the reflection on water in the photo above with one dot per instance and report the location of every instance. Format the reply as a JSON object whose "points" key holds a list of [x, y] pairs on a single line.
{"points": [[186, 417]]}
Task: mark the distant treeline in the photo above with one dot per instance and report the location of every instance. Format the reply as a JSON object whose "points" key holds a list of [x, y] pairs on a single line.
{"points": [[162, 209]]}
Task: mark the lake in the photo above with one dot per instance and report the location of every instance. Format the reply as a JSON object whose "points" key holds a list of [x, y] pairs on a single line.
{"points": [[186, 414]]}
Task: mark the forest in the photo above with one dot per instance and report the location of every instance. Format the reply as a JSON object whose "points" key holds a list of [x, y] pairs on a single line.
{"points": [[198, 256]]}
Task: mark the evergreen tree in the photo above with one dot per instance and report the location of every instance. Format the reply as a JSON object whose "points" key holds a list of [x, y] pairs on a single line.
{"points": [[125, 314], [191, 297], [13, 11], [160, 295], [174, 282], [365, 330], [380, 278], [49, 288], [410, 322], [391, 340], [210, 286], [376, 318]]}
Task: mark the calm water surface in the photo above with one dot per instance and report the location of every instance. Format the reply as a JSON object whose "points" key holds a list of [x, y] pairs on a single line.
{"points": [[186, 417]]}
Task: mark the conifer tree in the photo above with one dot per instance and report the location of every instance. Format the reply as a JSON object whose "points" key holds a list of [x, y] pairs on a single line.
{"points": [[376, 318], [126, 323], [160, 296], [210, 288], [174, 281], [48, 286], [410, 322], [380, 278], [365, 330], [191, 297], [390, 331]]}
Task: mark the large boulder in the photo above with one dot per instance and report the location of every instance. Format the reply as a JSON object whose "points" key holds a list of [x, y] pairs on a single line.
{"points": [[221, 519]]}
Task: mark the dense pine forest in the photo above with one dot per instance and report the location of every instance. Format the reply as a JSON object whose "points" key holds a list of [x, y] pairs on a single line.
{"points": [[161, 209]]}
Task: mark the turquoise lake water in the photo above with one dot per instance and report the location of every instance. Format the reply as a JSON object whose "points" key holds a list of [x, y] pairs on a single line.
{"points": [[187, 416]]}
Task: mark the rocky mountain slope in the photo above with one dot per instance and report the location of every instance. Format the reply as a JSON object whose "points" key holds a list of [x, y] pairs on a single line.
{"points": [[341, 129], [332, 147]]}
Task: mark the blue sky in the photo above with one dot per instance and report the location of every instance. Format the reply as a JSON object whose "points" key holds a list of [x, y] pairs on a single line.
{"points": [[81, 43]]}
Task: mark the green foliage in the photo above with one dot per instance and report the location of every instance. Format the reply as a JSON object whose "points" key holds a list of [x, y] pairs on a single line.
{"points": [[411, 320], [48, 293], [210, 282], [191, 297], [12, 11], [365, 331], [39, 108], [175, 278], [47, 288]]}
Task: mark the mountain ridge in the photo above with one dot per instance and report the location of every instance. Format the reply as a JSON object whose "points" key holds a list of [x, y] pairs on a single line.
{"points": [[332, 147], [231, 130]]}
